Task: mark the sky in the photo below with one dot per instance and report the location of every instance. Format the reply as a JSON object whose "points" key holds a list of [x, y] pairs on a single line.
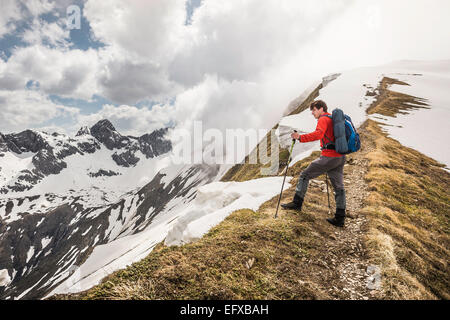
{"points": [[150, 64]]}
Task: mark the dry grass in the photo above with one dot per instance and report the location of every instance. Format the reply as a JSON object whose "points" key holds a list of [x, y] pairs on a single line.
{"points": [[390, 103], [216, 267], [409, 209]]}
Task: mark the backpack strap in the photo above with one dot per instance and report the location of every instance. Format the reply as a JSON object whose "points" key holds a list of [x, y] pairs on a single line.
{"points": [[331, 141]]}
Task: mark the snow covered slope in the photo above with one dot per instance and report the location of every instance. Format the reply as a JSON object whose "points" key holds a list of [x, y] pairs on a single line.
{"points": [[62, 196], [179, 224], [423, 129]]}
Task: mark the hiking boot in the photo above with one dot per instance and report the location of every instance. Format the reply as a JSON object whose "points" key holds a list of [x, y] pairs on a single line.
{"points": [[296, 204], [338, 219]]}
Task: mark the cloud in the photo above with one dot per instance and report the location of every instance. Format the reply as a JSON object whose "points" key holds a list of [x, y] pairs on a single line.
{"points": [[8, 15], [141, 38], [239, 39], [70, 73], [128, 120], [14, 11], [215, 68], [260, 55], [52, 34], [127, 81], [29, 109], [35, 8], [150, 29]]}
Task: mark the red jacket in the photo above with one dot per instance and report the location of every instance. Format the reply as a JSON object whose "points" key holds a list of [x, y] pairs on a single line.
{"points": [[324, 128]]}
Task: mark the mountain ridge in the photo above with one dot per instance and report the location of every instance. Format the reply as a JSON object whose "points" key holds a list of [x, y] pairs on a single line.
{"points": [[51, 150]]}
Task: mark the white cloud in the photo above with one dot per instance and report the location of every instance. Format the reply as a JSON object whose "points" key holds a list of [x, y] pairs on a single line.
{"points": [[70, 73], [239, 39], [142, 37], [150, 29], [8, 15], [29, 109], [128, 81], [14, 11], [41, 32], [128, 120], [37, 7], [264, 54]]}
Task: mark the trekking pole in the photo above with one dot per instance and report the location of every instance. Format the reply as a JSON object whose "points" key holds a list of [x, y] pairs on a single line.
{"points": [[285, 174], [328, 194]]}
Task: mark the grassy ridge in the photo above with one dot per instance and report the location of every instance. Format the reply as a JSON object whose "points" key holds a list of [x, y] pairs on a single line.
{"points": [[409, 210]]}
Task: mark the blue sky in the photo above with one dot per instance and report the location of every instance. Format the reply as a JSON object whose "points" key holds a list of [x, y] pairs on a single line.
{"points": [[147, 64]]}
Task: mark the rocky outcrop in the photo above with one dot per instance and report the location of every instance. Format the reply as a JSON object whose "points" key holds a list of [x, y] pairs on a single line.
{"points": [[25, 141], [105, 132], [154, 144], [151, 145], [102, 173], [125, 159], [83, 131]]}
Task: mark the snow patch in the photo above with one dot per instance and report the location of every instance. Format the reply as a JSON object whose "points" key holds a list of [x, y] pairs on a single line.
{"points": [[215, 201], [30, 253], [5, 280], [45, 241], [86, 232]]}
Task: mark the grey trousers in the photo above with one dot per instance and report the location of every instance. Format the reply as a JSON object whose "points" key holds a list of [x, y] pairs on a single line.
{"points": [[334, 166]]}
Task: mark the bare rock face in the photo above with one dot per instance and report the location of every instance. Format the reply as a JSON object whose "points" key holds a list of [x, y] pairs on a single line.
{"points": [[25, 141], [103, 173], [3, 145], [154, 144], [125, 159], [46, 163], [105, 132], [83, 131]]}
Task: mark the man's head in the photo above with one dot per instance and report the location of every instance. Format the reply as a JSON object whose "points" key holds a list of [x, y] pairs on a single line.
{"points": [[318, 108]]}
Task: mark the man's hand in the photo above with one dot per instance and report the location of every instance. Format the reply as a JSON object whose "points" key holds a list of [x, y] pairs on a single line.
{"points": [[295, 135]]}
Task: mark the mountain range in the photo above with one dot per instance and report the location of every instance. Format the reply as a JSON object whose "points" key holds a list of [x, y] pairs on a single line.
{"points": [[62, 196]]}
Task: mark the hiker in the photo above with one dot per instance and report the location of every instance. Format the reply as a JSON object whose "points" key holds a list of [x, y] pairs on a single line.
{"points": [[330, 162]]}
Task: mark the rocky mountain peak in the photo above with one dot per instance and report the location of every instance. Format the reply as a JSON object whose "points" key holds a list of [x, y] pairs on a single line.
{"points": [[105, 132], [83, 130], [104, 124]]}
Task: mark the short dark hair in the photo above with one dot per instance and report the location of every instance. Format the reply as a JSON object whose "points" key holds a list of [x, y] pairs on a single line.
{"points": [[319, 104]]}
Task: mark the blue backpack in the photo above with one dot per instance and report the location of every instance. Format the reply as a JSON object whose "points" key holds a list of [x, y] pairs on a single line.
{"points": [[345, 134]]}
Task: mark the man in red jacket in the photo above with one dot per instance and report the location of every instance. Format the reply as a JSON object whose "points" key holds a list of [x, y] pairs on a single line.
{"points": [[329, 162]]}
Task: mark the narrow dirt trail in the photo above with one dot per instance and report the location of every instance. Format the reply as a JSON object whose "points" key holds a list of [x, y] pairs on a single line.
{"points": [[347, 254]]}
